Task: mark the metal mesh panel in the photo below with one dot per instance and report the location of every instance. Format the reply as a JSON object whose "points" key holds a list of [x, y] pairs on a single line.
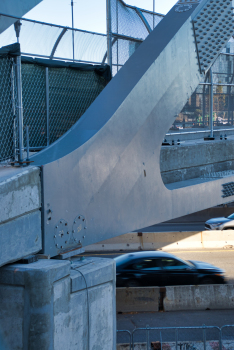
{"points": [[43, 39], [131, 22], [34, 104], [7, 108], [71, 92]]}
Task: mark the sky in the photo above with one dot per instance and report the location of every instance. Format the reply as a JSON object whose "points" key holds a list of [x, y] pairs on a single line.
{"points": [[88, 14]]}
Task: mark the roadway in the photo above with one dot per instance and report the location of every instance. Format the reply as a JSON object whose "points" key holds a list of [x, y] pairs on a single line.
{"points": [[223, 258]]}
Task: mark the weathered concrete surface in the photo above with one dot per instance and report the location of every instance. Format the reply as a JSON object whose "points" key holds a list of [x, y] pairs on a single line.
{"points": [[20, 237], [49, 315], [201, 297], [20, 216], [192, 160], [137, 299], [20, 193], [15, 8], [167, 241]]}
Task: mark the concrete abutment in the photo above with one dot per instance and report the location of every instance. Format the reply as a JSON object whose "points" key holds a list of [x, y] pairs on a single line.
{"points": [[53, 305]]}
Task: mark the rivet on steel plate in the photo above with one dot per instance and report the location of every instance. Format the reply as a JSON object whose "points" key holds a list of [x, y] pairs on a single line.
{"points": [[54, 236], [74, 222], [68, 232], [85, 227], [73, 231], [83, 236]]}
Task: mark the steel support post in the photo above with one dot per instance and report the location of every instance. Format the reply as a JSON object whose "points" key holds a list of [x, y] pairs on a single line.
{"points": [[117, 30], [211, 104], [73, 41], [109, 33], [14, 112], [20, 108], [153, 12], [47, 108]]}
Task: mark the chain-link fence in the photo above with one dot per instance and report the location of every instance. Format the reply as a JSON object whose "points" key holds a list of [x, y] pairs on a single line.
{"points": [[177, 338], [8, 108], [130, 26], [55, 96]]}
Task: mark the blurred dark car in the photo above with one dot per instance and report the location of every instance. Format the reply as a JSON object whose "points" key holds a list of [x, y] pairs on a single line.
{"points": [[153, 268]]}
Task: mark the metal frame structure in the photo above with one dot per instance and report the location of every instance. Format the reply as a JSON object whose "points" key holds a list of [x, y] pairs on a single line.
{"points": [[102, 179]]}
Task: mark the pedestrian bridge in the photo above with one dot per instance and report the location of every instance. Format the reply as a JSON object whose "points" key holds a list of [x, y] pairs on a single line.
{"points": [[102, 178]]}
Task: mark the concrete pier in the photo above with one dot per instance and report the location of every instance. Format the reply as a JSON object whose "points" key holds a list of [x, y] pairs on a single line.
{"points": [[53, 305]]}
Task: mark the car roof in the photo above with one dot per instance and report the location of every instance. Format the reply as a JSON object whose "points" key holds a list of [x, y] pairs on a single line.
{"points": [[146, 254]]}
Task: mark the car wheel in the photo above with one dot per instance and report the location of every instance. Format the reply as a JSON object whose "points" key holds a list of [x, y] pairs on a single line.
{"points": [[207, 280], [132, 283]]}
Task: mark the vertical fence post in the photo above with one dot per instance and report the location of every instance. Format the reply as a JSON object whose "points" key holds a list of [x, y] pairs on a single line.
{"points": [[17, 26], [27, 134], [147, 337], [47, 108], [20, 109], [211, 104], [109, 33], [73, 43], [13, 111], [204, 336], [176, 338], [117, 30], [153, 12]]}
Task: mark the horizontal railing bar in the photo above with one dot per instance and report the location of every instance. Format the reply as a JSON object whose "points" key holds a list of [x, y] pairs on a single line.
{"points": [[58, 58], [196, 132], [50, 24], [126, 37]]}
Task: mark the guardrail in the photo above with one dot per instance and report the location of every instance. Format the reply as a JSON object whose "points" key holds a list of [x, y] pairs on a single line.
{"points": [[179, 338]]}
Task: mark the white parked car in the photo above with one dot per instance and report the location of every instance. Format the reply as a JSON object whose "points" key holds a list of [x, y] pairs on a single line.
{"points": [[224, 223]]}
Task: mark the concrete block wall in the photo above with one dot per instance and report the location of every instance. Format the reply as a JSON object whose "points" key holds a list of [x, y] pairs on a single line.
{"points": [[175, 298], [20, 216], [53, 305], [188, 161]]}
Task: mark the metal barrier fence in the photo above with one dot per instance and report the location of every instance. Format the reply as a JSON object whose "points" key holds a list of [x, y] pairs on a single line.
{"points": [[130, 26], [178, 338], [8, 108], [54, 97], [50, 117]]}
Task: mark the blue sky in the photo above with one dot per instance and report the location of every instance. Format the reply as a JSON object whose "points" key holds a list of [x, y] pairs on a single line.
{"points": [[88, 14]]}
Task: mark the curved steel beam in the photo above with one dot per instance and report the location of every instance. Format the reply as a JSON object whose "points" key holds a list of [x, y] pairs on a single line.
{"points": [[120, 36], [57, 42], [142, 17], [102, 179]]}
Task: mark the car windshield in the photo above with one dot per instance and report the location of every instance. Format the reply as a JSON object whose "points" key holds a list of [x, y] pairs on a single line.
{"points": [[231, 216], [122, 259]]}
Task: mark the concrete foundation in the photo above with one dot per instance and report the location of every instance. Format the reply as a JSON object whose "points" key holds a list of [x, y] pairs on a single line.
{"points": [[53, 305]]}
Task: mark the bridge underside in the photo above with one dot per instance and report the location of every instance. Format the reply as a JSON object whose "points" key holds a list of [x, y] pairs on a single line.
{"points": [[102, 179]]}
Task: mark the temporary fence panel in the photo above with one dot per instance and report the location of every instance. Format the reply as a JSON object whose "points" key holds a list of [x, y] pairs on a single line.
{"points": [[177, 338]]}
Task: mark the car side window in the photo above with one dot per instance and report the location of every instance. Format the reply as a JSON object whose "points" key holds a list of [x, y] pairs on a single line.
{"points": [[173, 264], [147, 264]]}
